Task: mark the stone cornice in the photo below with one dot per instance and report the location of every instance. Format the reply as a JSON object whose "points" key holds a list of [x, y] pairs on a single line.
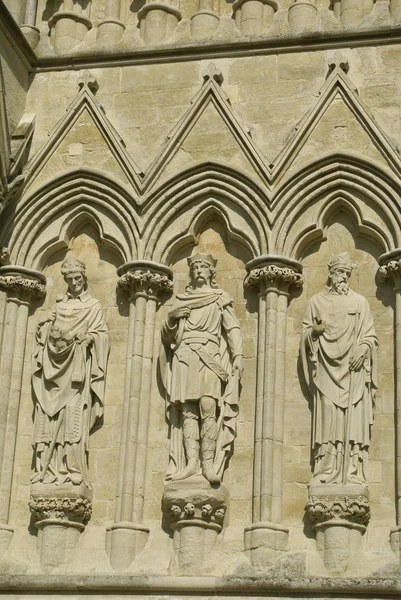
{"points": [[14, 278], [153, 277], [208, 49], [273, 270]]}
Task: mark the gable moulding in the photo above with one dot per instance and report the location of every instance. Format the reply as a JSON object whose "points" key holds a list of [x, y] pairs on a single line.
{"points": [[325, 183], [70, 194], [337, 83]]}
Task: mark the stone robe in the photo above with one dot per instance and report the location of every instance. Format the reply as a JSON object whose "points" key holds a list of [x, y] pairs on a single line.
{"points": [[196, 361], [326, 367], [68, 383]]}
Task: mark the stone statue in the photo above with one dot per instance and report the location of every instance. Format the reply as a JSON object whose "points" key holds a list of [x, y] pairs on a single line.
{"points": [[338, 350], [68, 380], [202, 365]]}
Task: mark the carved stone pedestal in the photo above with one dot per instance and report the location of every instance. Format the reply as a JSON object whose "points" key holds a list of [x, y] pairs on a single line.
{"points": [[341, 514], [253, 16], [68, 29], [60, 514], [265, 542], [195, 512]]}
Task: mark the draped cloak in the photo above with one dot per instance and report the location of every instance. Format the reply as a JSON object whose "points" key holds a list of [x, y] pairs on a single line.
{"points": [[326, 366], [68, 383], [195, 361]]}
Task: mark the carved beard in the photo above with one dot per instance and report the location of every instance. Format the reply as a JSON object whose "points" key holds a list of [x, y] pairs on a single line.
{"points": [[339, 285]]}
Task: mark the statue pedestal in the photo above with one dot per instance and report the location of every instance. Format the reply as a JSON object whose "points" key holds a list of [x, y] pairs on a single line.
{"points": [[341, 514], [59, 513], [195, 512]]}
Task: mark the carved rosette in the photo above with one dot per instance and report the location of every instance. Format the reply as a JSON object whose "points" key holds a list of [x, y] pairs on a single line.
{"points": [[19, 280], [65, 509], [351, 509]]}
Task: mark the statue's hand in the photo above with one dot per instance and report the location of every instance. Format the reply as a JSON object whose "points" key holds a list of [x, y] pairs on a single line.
{"points": [[86, 340], [318, 328], [238, 365], [356, 362], [44, 320], [182, 312]]}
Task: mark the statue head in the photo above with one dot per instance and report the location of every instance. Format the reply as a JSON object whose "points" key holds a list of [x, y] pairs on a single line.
{"points": [[340, 269], [74, 273], [202, 270]]}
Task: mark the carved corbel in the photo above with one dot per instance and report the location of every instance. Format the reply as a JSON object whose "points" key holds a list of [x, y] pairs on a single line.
{"points": [[274, 275]]}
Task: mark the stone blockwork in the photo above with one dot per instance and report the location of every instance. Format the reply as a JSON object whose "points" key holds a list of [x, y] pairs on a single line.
{"points": [[134, 136]]}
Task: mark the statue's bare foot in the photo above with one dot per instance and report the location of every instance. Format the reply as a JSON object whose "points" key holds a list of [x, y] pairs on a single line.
{"points": [[209, 473], [192, 468]]}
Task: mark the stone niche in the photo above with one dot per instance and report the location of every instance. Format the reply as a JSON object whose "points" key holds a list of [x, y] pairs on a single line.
{"points": [[101, 264], [231, 501], [340, 546]]}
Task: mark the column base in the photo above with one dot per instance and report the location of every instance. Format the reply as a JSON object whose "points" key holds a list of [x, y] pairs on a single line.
{"points": [[265, 542], [195, 512], [157, 21], [109, 32], [341, 514], [6, 533], [60, 513], [203, 24], [395, 542], [32, 34], [124, 541]]}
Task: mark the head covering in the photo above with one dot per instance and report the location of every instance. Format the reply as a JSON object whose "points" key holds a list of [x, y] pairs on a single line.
{"points": [[341, 260], [207, 258], [72, 265]]}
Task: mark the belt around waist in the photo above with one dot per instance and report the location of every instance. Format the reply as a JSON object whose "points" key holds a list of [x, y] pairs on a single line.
{"points": [[200, 339]]}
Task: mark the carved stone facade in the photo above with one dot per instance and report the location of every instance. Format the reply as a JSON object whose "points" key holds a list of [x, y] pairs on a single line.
{"points": [[206, 161]]}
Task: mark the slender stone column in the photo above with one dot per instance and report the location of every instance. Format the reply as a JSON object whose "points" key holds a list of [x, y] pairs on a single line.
{"points": [[21, 286], [144, 280], [28, 28], [391, 269], [274, 275], [111, 28]]}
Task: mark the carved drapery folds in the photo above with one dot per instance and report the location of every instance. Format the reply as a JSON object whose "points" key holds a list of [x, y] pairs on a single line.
{"points": [[338, 350], [201, 365], [144, 280], [22, 286], [274, 276], [69, 365], [390, 269]]}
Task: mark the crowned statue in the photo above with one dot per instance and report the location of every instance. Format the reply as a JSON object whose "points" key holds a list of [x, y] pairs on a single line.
{"points": [[68, 380], [338, 348], [201, 365]]}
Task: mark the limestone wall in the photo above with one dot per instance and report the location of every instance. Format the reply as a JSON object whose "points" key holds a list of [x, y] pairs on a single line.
{"points": [[283, 158]]}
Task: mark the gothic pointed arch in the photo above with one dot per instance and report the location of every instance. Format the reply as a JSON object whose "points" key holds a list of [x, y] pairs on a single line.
{"points": [[177, 207], [45, 220]]}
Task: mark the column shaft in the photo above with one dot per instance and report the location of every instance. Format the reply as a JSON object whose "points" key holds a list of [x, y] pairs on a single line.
{"points": [[266, 537], [30, 12]]}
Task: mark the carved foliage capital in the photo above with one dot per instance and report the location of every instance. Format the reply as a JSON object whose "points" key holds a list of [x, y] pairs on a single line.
{"points": [[346, 508], [145, 280], [19, 283], [66, 509], [273, 275]]}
